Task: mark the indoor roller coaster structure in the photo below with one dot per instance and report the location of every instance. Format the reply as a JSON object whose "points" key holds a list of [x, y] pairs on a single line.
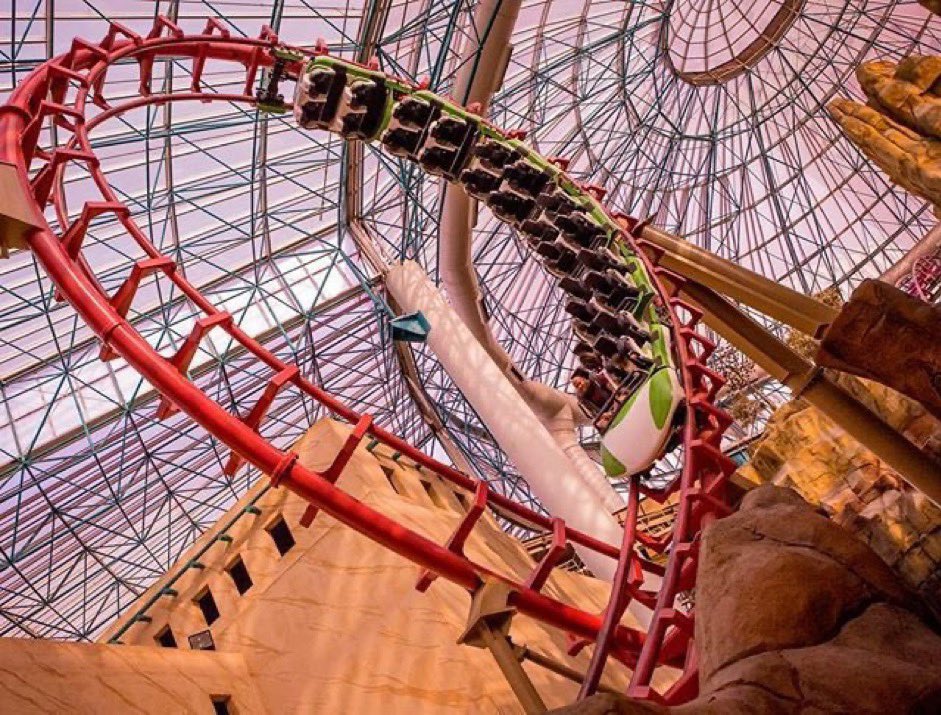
{"points": [[70, 91]]}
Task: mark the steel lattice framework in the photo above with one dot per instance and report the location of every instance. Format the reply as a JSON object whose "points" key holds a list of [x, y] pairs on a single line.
{"points": [[98, 498]]}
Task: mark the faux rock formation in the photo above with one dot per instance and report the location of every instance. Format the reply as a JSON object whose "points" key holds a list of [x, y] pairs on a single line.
{"points": [[795, 615], [900, 128], [886, 335], [803, 449]]}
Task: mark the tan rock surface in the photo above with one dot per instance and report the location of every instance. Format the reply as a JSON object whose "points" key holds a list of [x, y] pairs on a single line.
{"points": [[794, 615], [900, 128], [933, 5], [39, 677], [804, 450], [336, 625], [884, 334]]}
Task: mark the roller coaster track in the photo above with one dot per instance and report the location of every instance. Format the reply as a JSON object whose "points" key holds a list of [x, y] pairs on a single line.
{"points": [[65, 88]]}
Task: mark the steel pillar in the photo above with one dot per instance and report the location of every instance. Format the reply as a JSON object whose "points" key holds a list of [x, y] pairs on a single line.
{"points": [[808, 382], [488, 626], [516, 429], [774, 300]]}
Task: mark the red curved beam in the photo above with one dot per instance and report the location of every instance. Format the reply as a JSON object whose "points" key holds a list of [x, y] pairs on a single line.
{"points": [[86, 65]]}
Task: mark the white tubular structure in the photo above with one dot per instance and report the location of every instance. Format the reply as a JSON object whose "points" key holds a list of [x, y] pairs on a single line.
{"points": [[476, 81], [523, 437]]}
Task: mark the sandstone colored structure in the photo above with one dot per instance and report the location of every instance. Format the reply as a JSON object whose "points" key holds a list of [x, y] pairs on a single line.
{"points": [[333, 625], [900, 128], [795, 615], [804, 450], [884, 334]]}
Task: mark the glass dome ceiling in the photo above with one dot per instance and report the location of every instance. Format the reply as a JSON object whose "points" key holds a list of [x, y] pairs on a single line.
{"points": [[708, 116]]}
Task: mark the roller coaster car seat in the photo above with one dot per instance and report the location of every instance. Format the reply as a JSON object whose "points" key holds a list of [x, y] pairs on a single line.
{"points": [[437, 160], [553, 269], [319, 82], [580, 228], [412, 112], [570, 244], [542, 230], [526, 178], [353, 127], [614, 371], [582, 334], [575, 287], [590, 361], [630, 325], [549, 251], [628, 347], [642, 362], [582, 348], [605, 345], [401, 142], [594, 387], [597, 260], [557, 203], [567, 262], [640, 336], [450, 131], [510, 207], [367, 96], [596, 280], [311, 114], [366, 110], [581, 310], [495, 155], [605, 319], [479, 183], [621, 285]]}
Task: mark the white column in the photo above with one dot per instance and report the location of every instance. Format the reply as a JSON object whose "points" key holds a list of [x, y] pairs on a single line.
{"points": [[523, 438]]}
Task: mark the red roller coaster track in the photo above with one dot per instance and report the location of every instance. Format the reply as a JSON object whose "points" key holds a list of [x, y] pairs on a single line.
{"points": [[60, 90]]}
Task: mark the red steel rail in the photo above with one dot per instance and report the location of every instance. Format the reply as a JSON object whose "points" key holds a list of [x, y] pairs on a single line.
{"points": [[63, 87]]}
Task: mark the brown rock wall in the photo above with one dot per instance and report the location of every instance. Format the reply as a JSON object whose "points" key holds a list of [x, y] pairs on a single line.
{"points": [[900, 128], [804, 450], [795, 615]]}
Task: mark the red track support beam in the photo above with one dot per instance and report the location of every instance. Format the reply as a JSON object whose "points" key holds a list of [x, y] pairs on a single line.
{"points": [[339, 462], [184, 356], [73, 237], [122, 299], [44, 93], [627, 574], [459, 537], [42, 182], [537, 578], [253, 420]]}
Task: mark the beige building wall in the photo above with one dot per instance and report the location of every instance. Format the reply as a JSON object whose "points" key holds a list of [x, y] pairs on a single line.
{"points": [[54, 677], [335, 625]]}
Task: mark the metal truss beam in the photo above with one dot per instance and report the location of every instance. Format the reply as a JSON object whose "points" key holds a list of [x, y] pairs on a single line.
{"points": [[808, 382], [773, 299]]}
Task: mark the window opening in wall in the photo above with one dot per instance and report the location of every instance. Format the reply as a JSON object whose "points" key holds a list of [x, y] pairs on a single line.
{"points": [[220, 705], [282, 537], [165, 638], [207, 604], [432, 494], [202, 641], [388, 472], [240, 576]]}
